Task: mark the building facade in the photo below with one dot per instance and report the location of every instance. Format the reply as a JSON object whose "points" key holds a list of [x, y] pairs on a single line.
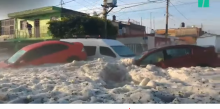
{"points": [[129, 29], [189, 35], [16, 25], [181, 32]]}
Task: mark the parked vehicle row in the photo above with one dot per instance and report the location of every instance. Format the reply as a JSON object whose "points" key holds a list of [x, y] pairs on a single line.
{"points": [[68, 50]]}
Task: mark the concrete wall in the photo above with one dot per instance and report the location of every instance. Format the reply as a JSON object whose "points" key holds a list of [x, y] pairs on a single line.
{"points": [[136, 44], [217, 44], [132, 29], [151, 42], [132, 40], [206, 41], [181, 31]]}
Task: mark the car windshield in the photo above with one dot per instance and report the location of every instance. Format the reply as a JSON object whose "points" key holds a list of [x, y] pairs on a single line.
{"points": [[142, 54], [123, 51], [16, 56], [138, 56]]}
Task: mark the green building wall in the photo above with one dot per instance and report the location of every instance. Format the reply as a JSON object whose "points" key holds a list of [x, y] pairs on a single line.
{"points": [[44, 19]]}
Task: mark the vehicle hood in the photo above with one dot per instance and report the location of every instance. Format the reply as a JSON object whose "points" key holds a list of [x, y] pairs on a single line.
{"points": [[3, 64]]}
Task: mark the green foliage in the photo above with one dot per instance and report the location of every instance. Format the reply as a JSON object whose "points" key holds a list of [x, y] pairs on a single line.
{"points": [[80, 26]]}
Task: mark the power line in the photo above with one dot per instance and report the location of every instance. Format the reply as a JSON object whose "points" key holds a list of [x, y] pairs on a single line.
{"points": [[154, 8], [65, 2], [189, 3], [61, 2], [137, 3], [81, 4], [178, 10]]}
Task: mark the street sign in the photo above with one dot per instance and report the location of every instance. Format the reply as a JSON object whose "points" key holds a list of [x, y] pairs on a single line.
{"points": [[203, 3]]}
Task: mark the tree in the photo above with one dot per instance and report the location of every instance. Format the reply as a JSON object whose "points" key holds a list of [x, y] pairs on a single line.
{"points": [[81, 26], [95, 14]]}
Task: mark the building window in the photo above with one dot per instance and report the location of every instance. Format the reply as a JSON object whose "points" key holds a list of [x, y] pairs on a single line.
{"points": [[23, 25], [7, 23], [12, 22], [107, 52], [3, 23], [12, 30], [7, 27], [2, 31]]}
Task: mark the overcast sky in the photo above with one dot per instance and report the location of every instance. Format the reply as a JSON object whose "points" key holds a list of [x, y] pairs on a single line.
{"points": [[184, 11], [9, 6]]}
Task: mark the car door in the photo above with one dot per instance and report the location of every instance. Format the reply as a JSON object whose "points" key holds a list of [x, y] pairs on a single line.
{"points": [[32, 57], [178, 57], [155, 58], [54, 53]]}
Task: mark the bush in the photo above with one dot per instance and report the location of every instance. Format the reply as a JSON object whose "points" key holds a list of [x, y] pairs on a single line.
{"points": [[81, 26]]}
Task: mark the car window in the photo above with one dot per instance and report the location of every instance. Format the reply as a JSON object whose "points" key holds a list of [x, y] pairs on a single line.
{"points": [[153, 58], [177, 52], [53, 48], [32, 55], [107, 51], [43, 51], [90, 50]]}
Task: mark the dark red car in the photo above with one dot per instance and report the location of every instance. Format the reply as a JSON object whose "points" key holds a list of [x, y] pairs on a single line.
{"points": [[179, 56], [46, 52]]}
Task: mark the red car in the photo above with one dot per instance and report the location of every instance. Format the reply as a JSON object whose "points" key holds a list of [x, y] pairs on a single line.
{"points": [[179, 56], [46, 52]]}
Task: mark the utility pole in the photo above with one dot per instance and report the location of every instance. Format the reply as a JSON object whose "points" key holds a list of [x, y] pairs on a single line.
{"points": [[141, 21], [154, 23], [104, 9], [150, 21], [61, 3], [167, 17], [105, 13]]}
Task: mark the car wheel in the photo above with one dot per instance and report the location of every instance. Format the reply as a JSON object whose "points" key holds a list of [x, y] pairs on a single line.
{"points": [[71, 59]]}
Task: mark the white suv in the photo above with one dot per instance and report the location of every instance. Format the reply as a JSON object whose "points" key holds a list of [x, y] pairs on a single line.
{"points": [[97, 48]]}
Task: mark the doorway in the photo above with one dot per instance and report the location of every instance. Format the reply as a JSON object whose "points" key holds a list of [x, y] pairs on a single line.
{"points": [[37, 28]]}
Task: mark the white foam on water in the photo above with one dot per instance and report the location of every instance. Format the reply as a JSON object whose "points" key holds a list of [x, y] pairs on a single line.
{"points": [[108, 81]]}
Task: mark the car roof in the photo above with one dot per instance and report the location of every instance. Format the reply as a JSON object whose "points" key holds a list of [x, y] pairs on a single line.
{"points": [[36, 45], [170, 46], [95, 42]]}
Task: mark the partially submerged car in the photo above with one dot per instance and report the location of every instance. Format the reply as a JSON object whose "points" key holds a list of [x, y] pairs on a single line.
{"points": [[46, 52], [97, 48], [179, 56]]}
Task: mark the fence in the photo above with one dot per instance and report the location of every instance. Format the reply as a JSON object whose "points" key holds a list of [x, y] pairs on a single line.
{"points": [[24, 33]]}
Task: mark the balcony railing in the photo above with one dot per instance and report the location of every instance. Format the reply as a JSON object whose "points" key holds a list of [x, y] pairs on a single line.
{"points": [[17, 33]]}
